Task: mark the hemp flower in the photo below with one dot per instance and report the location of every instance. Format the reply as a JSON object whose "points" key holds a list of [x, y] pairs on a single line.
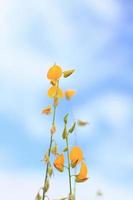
{"points": [[82, 176], [55, 91], [76, 156], [54, 73], [47, 110], [69, 94], [59, 162]]}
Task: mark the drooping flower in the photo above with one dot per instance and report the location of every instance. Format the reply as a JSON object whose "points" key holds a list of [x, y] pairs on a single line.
{"points": [[82, 176], [47, 110], [69, 94], [59, 162], [54, 73], [55, 91], [76, 156]]}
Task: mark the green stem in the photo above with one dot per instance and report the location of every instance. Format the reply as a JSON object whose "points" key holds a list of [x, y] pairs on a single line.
{"points": [[69, 168], [50, 146]]}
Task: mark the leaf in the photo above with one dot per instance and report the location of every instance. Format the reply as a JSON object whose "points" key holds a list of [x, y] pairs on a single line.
{"points": [[68, 73], [64, 134], [38, 196], [65, 149], [72, 128], [66, 118], [82, 123], [46, 186]]}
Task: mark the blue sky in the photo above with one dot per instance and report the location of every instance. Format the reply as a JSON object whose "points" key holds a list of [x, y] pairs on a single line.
{"points": [[95, 38]]}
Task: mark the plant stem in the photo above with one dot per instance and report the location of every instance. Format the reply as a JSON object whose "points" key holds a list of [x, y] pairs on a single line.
{"points": [[50, 146], [69, 169]]}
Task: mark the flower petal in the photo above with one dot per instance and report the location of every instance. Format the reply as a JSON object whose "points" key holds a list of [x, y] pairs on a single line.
{"points": [[69, 94], [54, 73], [47, 110], [82, 176], [76, 156], [59, 162], [54, 91]]}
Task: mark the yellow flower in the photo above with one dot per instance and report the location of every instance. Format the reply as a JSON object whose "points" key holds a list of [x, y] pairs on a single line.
{"points": [[54, 91], [69, 94], [54, 73], [76, 156], [59, 162], [47, 110], [82, 176]]}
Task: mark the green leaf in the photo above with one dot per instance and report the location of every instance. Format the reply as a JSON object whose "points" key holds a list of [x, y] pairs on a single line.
{"points": [[64, 134], [65, 149], [72, 128], [66, 118]]}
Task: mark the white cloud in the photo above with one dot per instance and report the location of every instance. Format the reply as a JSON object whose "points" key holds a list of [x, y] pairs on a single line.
{"points": [[115, 111], [24, 186], [108, 10], [114, 108]]}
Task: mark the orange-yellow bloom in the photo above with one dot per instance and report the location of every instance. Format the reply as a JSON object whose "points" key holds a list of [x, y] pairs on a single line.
{"points": [[69, 94], [76, 156], [47, 110], [82, 176], [54, 73], [59, 162], [54, 91]]}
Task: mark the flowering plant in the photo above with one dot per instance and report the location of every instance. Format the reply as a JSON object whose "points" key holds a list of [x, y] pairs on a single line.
{"points": [[74, 156]]}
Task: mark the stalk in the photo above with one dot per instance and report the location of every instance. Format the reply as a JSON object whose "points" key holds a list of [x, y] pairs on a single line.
{"points": [[50, 145], [69, 168]]}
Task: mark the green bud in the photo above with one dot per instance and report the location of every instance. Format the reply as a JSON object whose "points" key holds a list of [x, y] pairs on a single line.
{"points": [[66, 118], [64, 134], [72, 128]]}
